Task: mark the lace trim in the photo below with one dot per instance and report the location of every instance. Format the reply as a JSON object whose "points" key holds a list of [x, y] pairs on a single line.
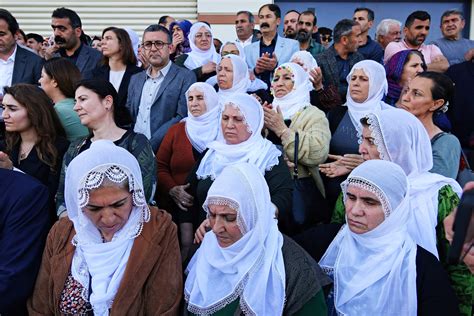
{"points": [[371, 187], [225, 201], [376, 133], [229, 298], [235, 106]]}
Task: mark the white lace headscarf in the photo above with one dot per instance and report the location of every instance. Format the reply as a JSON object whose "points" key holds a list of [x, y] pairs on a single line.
{"points": [[378, 87], [375, 272], [203, 129], [252, 268], [104, 263], [197, 57], [298, 97], [241, 78], [401, 138], [255, 150], [305, 58]]}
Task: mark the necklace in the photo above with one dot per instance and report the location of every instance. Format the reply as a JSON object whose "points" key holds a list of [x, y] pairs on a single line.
{"points": [[24, 152]]}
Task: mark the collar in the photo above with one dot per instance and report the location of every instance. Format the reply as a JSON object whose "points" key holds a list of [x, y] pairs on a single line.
{"points": [[407, 47], [62, 52], [248, 40], [11, 58], [273, 43], [164, 71]]}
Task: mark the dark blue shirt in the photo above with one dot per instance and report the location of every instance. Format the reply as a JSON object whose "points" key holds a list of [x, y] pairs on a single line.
{"points": [[372, 50], [73, 57], [344, 68], [265, 76]]}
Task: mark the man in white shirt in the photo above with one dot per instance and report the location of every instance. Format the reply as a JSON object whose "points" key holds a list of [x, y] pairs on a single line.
{"points": [[244, 27], [156, 98]]}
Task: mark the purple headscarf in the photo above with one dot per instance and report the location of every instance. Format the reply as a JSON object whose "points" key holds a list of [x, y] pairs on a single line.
{"points": [[184, 25]]}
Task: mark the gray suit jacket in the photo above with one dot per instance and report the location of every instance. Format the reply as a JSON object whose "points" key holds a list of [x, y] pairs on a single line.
{"points": [[170, 104], [27, 67], [87, 60], [284, 49]]}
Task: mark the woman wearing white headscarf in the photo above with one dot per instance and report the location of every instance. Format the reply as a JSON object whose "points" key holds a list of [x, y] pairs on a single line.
{"points": [[367, 87], [203, 58], [182, 146], [377, 267], [304, 59], [113, 254], [291, 112], [245, 265], [240, 140]]}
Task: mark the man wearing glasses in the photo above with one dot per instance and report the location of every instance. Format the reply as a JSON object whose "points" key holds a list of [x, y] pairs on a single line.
{"points": [[156, 98]]}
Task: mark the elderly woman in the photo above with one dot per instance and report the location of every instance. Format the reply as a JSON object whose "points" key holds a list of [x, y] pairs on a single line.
{"points": [[203, 58], [113, 254], [58, 79], [95, 105], [427, 94], [245, 254], [377, 267], [240, 140], [367, 87], [292, 114], [182, 146], [179, 33]]}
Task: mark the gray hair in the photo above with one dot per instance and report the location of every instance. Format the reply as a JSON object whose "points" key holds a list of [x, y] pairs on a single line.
{"points": [[384, 26], [249, 15], [343, 28]]}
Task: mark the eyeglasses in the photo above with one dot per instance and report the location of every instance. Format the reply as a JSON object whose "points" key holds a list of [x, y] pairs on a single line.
{"points": [[326, 38], [158, 44]]}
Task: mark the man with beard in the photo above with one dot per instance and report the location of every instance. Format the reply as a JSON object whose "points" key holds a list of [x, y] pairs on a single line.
{"points": [[367, 47], [67, 28], [17, 64], [156, 98], [290, 23], [306, 27], [244, 27], [271, 50], [453, 46], [416, 30]]}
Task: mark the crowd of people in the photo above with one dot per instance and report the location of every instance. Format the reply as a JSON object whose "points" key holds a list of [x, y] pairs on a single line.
{"points": [[313, 172]]}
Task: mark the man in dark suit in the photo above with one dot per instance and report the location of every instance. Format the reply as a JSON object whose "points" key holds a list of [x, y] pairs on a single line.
{"points": [[24, 225], [156, 98], [17, 64], [70, 43]]}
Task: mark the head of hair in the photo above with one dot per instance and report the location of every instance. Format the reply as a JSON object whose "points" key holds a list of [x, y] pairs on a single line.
{"points": [[309, 12], [290, 11], [13, 26], [249, 15], [325, 31], [104, 88], [65, 73], [43, 119], [272, 7], [451, 12], [370, 13], [74, 19], [417, 15], [158, 28], [384, 26], [442, 87], [343, 28], [127, 54], [163, 19], [22, 33], [35, 36]]}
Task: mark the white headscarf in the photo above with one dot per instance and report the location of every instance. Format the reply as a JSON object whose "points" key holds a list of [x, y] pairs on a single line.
{"points": [[239, 46], [203, 129], [401, 138], [375, 272], [105, 263], [241, 78], [252, 268], [255, 150], [197, 57], [306, 58], [298, 98], [378, 87]]}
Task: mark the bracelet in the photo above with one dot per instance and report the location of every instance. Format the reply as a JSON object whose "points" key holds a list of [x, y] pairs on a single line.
{"points": [[282, 132]]}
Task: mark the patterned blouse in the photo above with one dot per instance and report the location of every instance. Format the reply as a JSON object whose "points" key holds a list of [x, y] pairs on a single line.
{"points": [[72, 302]]}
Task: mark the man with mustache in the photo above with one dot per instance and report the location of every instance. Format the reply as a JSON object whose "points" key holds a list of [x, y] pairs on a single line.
{"points": [[306, 28], [367, 47], [244, 27], [271, 50], [290, 23], [454, 47], [67, 28], [416, 30]]}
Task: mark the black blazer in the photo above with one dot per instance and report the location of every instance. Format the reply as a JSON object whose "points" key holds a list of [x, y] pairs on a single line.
{"points": [[27, 67], [103, 72]]}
